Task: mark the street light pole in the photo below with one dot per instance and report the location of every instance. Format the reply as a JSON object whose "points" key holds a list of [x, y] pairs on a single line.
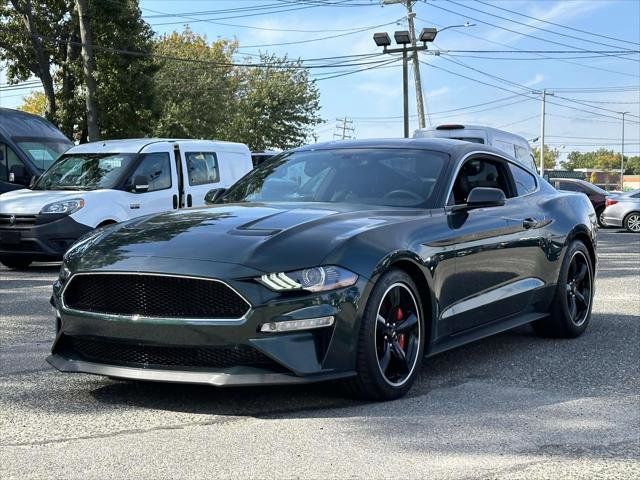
{"points": [[622, 155], [405, 90]]}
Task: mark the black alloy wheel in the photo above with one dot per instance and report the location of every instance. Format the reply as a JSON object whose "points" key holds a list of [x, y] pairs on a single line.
{"points": [[398, 332], [578, 288], [391, 340], [570, 310]]}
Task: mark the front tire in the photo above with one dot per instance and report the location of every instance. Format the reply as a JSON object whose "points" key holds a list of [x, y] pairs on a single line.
{"points": [[391, 340], [19, 263], [571, 309], [632, 222]]}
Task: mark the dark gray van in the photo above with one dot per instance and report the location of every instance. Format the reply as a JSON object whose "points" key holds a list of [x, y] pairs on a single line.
{"points": [[29, 144]]}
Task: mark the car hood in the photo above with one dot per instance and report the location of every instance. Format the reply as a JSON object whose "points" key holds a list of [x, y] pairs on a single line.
{"points": [[260, 236], [30, 202]]}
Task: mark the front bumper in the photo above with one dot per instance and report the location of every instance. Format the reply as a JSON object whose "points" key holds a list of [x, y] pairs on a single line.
{"points": [[292, 357], [39, 237]]}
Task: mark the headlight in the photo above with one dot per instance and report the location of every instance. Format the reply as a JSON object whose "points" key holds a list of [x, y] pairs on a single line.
{"points": [[65, 206], [317, 279]]}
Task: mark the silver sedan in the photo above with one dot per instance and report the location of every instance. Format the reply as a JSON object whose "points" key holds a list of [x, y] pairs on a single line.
{"points": [[623, 211]]}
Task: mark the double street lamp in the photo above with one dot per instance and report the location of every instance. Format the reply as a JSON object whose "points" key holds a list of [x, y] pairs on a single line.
{"points": [[404, 39]]}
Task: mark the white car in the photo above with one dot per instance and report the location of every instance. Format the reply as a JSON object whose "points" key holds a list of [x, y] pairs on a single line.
{"points": [[101, 183], [514, 145]]}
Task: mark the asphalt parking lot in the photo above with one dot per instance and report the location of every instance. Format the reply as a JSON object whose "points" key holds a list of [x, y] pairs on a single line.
{"points": [[512, 406]]}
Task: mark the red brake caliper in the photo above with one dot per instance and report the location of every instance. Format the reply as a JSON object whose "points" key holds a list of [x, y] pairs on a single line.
{"points": [[401, 337]]}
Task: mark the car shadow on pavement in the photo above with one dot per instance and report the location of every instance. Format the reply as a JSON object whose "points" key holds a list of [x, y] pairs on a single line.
{"points": [[517, 358]]}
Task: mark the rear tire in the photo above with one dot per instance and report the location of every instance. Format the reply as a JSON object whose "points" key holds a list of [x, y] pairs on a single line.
{"points": [[571, 308], [16, 263], [632, 222], [391, 340]]}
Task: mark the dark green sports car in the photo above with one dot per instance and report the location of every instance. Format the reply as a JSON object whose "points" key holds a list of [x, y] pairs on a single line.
{"points": [[350, 260]]}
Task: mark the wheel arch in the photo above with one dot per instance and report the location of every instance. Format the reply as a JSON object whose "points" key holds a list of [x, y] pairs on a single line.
{"points": [[583, 235], [413, 269]]}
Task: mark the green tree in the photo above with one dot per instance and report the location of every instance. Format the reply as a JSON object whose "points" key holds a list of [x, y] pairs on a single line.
{"points": [[550, 157], [27, 29], [212, 96], [125, 82], [195, 99], [632, 165], [277, 106]]}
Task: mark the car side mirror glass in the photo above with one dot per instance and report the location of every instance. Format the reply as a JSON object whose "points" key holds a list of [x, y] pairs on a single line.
{"points": [[213, 195], [482, 197], [140, 184]]}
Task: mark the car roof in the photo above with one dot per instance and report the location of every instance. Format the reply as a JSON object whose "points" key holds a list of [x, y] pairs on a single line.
{"points": [[135, 145], [470, 127], [16, 123], [455, 148]]}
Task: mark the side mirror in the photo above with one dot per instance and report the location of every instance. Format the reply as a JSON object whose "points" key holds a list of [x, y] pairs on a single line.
{"points": [[33, 181], [482, 197], [18, 174], [140, 184], [213, 195]]}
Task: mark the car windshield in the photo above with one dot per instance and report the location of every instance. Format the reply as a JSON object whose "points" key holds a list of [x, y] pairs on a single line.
{"points": [[86, 171], [376, 176], [43, 152]]}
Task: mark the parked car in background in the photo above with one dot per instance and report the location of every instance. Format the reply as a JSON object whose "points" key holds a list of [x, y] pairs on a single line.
{"points": [[101, 183], [29, 144], [515, 145], [623, 211], [348, 260], [258, 157], [597, 196]]}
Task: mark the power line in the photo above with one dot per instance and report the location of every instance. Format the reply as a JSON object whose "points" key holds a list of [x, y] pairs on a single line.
{"points": [[513, 31], [515, 50], [559, 24]]}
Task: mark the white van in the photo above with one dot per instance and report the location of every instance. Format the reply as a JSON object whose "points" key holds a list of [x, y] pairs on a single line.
{"points": [[514, 145], [101, 183]]}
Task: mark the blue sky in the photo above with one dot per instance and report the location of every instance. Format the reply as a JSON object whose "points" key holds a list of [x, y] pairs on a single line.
{"points": [[371, 97]]}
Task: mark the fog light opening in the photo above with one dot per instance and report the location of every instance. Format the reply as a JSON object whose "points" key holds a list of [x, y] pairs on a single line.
{"points": [[292, 325]]}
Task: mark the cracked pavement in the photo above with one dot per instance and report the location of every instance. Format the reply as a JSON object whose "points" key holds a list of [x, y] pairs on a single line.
{"points": [[510, 407]]}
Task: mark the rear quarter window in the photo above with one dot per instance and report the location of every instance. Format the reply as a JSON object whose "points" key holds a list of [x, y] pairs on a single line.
{"points": [[525, 182]]}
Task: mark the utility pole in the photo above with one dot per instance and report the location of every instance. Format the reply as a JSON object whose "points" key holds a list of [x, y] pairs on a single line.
{"points": [[416, 66], [414, 58], [622, 155], [93, 132], [344, 129], [542, 119]]}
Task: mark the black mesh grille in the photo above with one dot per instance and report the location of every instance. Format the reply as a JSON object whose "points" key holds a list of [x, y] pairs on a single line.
{"points": [[153, 296], [113, 353]]}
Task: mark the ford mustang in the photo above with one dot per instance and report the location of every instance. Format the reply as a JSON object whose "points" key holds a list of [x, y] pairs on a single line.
{"points": [[349, 261]]}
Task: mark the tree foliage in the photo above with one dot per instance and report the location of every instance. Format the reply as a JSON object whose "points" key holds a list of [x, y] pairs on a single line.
{"points": [[179, 85], [601, 159], [34, 103], [125, 93], [277, 107], [194, 99], [267, 107], [550, 157]]}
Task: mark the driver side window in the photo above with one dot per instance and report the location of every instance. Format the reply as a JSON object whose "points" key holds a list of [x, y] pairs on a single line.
{"points": [[479, 172]]}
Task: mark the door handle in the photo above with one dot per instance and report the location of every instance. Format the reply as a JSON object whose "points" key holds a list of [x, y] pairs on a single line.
{"points": [[175, 202], [528, 223], [189, 200]]}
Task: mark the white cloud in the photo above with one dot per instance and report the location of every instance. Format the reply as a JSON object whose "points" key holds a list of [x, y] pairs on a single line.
{"points": [[438, 92], [538, 78]]}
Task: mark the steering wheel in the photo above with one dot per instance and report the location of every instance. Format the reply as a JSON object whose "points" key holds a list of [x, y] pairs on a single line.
{"points": [[405, 193]]}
